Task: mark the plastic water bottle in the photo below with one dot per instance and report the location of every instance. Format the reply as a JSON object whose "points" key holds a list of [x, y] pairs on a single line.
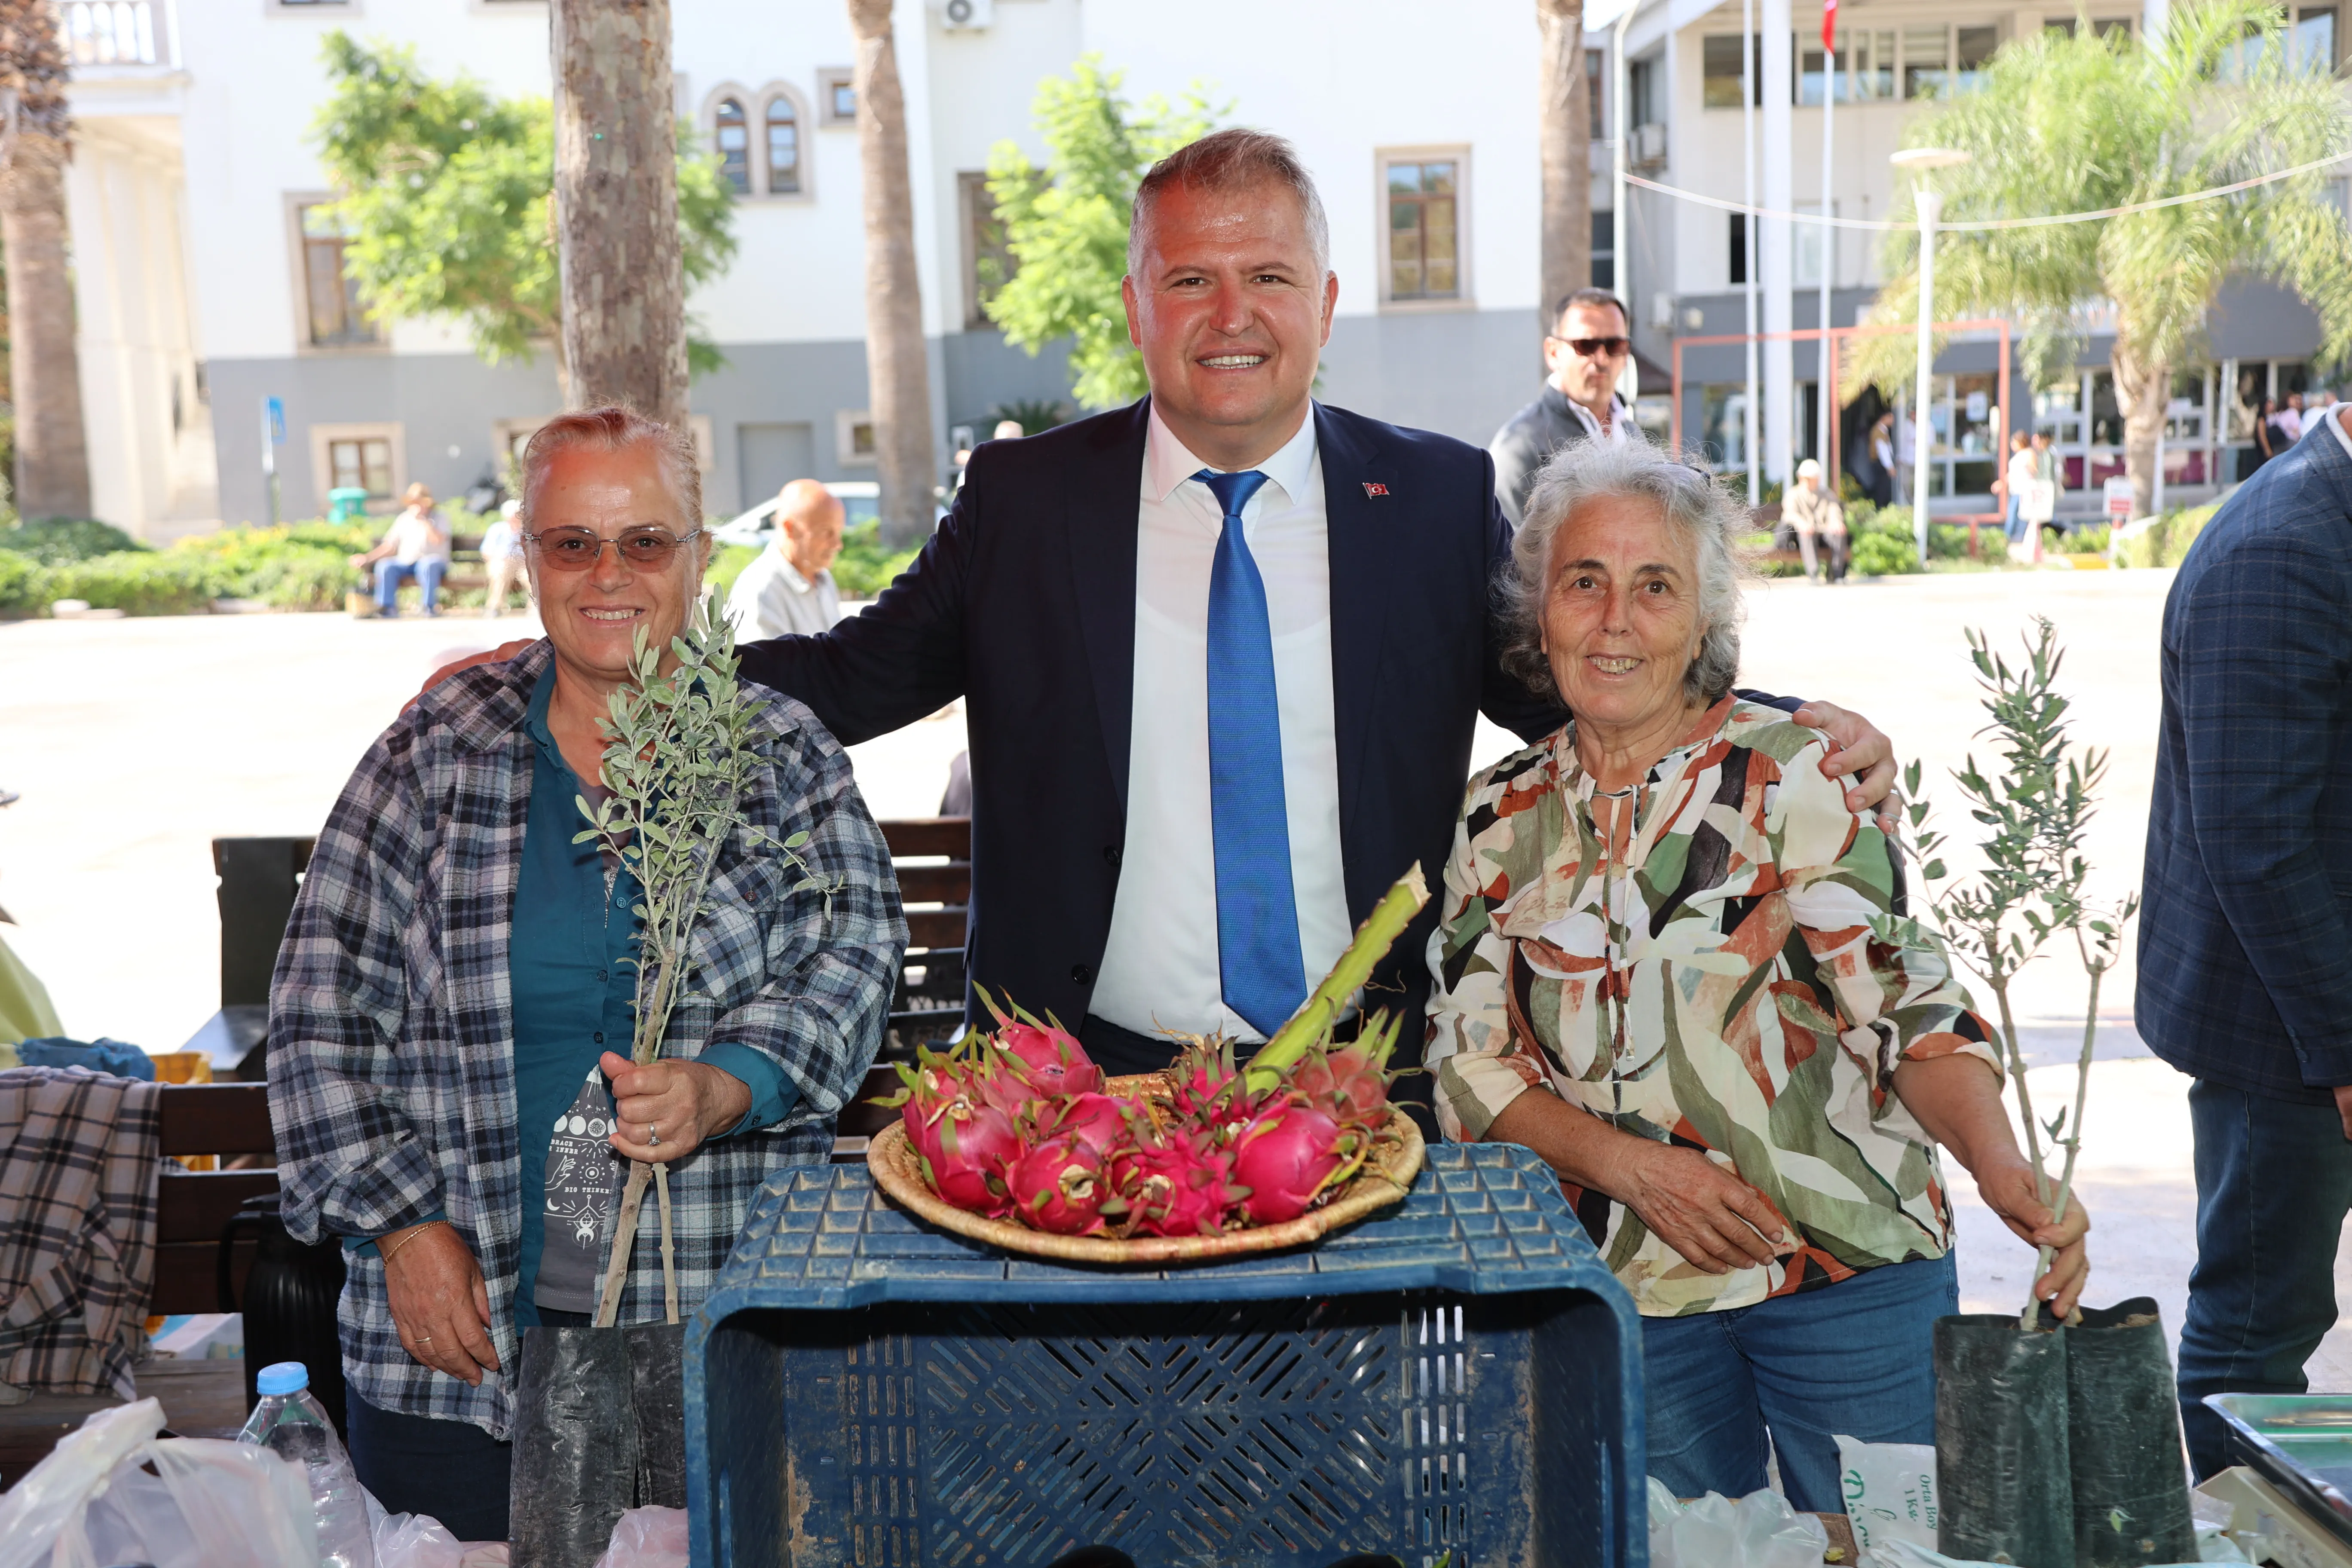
{"points": [[294, 1425]]}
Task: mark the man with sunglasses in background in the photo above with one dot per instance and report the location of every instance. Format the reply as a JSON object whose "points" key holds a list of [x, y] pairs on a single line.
{"points": [[1584, 353]]}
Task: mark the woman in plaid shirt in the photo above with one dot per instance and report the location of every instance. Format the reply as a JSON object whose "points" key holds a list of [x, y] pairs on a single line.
{"points": [[453, 1003], [1657, 921]]}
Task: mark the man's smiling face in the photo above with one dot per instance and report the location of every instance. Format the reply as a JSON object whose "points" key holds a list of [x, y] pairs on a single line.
{"points": [[1231, 312]]}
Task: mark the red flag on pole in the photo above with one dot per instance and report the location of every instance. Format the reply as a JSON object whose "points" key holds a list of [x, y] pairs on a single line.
{"points": [[1828, 28]]}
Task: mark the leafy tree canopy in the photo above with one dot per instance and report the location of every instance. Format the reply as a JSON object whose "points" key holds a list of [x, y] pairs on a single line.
{"points": [[1065, 224], [2085, 121], [444, 195]]}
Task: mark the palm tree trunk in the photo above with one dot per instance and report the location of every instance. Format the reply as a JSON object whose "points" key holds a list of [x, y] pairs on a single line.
{"points": [[1564, 133], [898, 365], [618, 253], [52, 450], [2140, 394]]}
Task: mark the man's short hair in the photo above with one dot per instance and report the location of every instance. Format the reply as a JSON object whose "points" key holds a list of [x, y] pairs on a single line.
{"points": [[1591, 297], [1230, 161]]}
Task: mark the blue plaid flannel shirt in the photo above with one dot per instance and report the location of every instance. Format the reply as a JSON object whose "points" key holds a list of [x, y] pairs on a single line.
{"points": [[391, 1025], [2245, 942]]}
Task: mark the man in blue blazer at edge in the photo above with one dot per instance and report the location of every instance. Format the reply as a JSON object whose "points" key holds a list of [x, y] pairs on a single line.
{"points": [[1084, 587], [2245, 947]]}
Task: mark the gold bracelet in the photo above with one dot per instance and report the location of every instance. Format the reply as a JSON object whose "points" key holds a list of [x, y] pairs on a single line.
{"points": [[405, 1240]]}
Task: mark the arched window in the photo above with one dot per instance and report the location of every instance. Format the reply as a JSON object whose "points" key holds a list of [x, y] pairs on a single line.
{"points": [[735, 145], [783, 147]]}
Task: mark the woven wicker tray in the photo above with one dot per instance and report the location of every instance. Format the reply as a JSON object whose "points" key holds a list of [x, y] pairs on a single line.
{"points": [[1387, 1174]]}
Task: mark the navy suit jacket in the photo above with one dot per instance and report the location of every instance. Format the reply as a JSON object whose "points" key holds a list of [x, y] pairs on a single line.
{"points": [[1023, 604], [2245, 947]]}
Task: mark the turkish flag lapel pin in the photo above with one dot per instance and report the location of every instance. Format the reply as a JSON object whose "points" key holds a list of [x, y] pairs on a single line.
{"points": [[1373, 490]]}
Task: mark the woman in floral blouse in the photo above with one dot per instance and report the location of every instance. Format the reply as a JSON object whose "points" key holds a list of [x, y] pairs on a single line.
{"points": [[1658, 919]]}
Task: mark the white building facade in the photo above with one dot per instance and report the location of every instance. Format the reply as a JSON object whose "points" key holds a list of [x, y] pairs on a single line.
{"points": [[1684, 264], [209, 285]]}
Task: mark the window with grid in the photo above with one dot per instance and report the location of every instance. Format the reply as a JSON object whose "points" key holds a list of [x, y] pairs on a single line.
{"points": [[361, 463], [1976, 48], [2314, 39], [1927, 60], [990, 259], [1423, 259], [733, 136], [837, 95], [783, 147], [1719, 73], [333, 298]]}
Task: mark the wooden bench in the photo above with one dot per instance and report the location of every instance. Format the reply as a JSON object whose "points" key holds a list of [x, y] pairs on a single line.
{"points": [[192, 1208], [932, 858]]}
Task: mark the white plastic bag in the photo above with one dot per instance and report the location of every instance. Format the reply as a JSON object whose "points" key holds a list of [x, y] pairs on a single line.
{"points": [[1890, 1495], [1759, 1531], [209, 1505], [420, 1541], [648, 1538]]}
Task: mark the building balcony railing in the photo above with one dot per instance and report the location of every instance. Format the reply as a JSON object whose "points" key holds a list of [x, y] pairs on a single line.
{"points": [[102, 33]]}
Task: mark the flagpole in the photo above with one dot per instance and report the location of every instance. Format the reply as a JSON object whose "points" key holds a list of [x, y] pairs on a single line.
{"points": [[1747, 248], [1822, 381]]}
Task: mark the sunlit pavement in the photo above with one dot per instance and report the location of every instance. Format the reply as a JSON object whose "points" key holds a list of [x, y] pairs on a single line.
{"points": [[135, 742]]}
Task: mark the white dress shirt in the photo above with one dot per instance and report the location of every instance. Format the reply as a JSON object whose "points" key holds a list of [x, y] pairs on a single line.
{"points": [[1159, 969], [771, 599], [2336, 418], [417, 536], [1620, 420]]}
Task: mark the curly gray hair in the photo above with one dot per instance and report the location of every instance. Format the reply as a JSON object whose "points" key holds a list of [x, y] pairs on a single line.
{"points": [[1708, 515]]}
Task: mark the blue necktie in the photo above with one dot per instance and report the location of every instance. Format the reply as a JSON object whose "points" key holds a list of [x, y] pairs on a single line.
{"points": [[1257, 912]]}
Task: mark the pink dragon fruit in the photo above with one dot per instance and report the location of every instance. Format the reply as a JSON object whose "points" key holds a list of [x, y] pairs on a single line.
{"points": [[1288, 1155], [1045, 1054], [1348, 1082], [978, 1147], [1100, 1120], [1060, 1186], [1208, 1090], [1180, 1185]]}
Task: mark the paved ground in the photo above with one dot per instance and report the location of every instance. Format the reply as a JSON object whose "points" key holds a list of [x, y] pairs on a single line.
{"points": [[135, 742]]}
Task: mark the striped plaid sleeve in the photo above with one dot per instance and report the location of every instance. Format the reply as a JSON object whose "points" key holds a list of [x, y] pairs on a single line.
{"points": [[349, 1157], [832, 958]]}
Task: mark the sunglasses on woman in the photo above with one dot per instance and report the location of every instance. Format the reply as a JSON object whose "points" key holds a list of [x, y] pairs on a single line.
{"points": [[578, 549]]}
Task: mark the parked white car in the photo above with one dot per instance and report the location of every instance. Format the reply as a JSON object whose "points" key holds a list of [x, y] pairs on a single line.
{"points": [[861, 499]]}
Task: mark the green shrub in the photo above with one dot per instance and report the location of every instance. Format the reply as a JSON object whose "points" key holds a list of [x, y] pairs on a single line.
{"points": [[1880, 554], [142, 583], [863, 567], [727, 564], [20, 584], [55, 540], [2166, 541], [2084, 541], [297, 566]]}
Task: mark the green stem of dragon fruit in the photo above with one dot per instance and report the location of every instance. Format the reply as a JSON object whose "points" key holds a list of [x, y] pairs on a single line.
{"points": [[1313, 1021]]}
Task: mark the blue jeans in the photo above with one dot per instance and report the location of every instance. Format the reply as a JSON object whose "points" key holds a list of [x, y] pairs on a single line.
{"points": [[391, 575], [1854, 1359], [2273, 1184], [2016, 526]]}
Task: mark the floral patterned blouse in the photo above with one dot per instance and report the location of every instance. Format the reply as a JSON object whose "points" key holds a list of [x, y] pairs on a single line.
{"points": [[1717, 987]]}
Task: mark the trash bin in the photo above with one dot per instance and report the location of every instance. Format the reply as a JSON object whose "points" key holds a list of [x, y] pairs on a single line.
{"points": [[346, 502], [1461, 1373]]}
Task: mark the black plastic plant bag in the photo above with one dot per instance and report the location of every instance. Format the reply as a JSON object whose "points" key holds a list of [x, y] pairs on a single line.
{"points": [[2131, 1485], [575, 1446], [658, 1401], [2000, 1442]]}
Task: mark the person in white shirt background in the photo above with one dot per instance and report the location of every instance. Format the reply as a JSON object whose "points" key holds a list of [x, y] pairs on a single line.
{"points": [[788, 588], [416, 545], [502, 555]]}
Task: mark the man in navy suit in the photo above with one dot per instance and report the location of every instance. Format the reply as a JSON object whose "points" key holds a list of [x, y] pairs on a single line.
{"points": [[2245, 952], [1222, 652]]}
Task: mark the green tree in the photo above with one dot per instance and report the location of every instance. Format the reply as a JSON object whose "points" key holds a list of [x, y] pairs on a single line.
{"points": [[1065, 224], [445, 192], [2085, 121]]}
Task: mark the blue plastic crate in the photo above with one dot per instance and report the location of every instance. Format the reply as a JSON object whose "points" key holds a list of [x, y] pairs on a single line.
{"points": [[1460, 1375]]}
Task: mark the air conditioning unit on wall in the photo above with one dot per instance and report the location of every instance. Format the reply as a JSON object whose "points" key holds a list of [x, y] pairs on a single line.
{"points": [[956, 16], [1649, 144]]}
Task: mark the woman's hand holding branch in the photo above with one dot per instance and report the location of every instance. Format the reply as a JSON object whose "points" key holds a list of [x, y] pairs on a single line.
{"points": [[666, 1110]]}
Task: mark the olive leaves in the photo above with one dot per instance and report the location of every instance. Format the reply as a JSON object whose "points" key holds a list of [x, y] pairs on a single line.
{"points": [[2037, 808]]}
